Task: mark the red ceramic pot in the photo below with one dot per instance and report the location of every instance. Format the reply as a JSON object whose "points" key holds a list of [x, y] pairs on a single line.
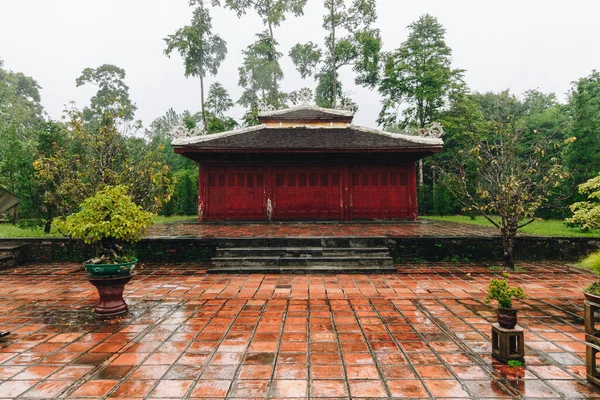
{"points": [[110, 290], [507, 317]]}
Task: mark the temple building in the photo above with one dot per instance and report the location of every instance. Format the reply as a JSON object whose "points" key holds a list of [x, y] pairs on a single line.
{"points": [[307, 163]]}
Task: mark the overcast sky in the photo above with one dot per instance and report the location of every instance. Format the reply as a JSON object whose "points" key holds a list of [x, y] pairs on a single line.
{"points": [[516, 44]]}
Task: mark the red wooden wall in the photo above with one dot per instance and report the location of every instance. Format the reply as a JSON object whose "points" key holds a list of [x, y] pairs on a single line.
{"points": [[307, 192]]}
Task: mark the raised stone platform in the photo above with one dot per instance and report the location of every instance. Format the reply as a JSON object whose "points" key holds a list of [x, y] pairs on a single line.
{"points": [[407, 242]]}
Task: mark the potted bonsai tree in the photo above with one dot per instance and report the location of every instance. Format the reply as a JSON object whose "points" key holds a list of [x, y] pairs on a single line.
{"points": [[109, 223], [499, 290]]}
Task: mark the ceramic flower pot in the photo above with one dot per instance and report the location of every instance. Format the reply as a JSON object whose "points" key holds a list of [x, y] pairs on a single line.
{"points": [[594, 298], [110, 290], [507, 317], [110, 270]]}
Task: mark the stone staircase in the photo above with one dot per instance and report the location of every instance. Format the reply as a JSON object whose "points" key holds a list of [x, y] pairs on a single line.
{"points": [[299, 255], [11, 254]]}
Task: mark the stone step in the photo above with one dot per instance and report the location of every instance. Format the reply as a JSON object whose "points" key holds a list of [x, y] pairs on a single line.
{"points": [[302, 251], [7, 260], [302, 261], [303, 269], [12, 254], [329, 242]]}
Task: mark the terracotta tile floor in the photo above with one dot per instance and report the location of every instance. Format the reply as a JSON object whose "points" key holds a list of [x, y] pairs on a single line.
{"points": [[399, 229], [420, 334]]}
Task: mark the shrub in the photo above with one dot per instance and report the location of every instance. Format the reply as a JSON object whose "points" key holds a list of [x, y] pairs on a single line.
{"points": [[586, 214], [592, 263], [499, 290], [108, 221]]}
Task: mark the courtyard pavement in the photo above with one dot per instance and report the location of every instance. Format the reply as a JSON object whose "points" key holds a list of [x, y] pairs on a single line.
{"points": [[422, 333], [316, 229]]}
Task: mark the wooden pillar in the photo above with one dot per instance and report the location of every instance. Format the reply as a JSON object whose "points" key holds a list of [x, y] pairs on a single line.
{"points": [[202, 192], [413, 201]]}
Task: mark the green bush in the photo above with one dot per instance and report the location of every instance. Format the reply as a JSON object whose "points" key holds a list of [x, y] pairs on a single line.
{"points": [[499, 290], [586, 214], [425, 199], [108, 221]]}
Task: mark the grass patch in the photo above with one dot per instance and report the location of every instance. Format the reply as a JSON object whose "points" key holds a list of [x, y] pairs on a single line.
{"points": [[551, 227], [9, 231], [161, 219], [12, 231]]}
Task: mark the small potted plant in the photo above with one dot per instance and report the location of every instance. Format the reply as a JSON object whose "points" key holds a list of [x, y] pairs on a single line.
{"points": [[499, 290], [109, 222], [592, 263]]}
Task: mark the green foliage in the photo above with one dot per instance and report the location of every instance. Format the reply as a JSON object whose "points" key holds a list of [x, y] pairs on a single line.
{"points": [[583, 157], [515, 363], [501, 176], [442, 200], [499, 290], [93, 157], [350, 42], [419, 74], [108, 220], [21, 121], [586, 214], [112, 97], [202, 51], [260, 74], [539, 227], [591, 262], [425, 199]]}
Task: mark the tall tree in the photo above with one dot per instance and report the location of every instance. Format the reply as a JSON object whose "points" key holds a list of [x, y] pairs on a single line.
{"points": [[418, 74], [583, 158], [112, 97], [350, 42], [272, 13], [217, 104], [504, 179], [202, 51], [256, 76], [21, 120]]}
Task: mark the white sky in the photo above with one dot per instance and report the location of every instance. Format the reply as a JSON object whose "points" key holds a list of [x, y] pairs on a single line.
{"points": [[516, 44]]}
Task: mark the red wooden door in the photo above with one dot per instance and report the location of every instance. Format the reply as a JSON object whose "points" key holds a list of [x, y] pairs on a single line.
{"points": [[379, 192], [308, 193], [236, 193]]}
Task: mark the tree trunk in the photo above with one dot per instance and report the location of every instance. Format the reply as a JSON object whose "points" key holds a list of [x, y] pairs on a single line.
{"points": [[421, 180], [15, 215], [202, 102], [333, 65], [274, 55], [48, 225], [508, 245]]}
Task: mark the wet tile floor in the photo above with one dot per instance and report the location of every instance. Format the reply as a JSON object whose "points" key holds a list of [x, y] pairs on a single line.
{"points": [[397, 229], [423, 333]]}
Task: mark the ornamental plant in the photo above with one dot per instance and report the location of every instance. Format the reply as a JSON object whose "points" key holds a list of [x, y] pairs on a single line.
{"points": [[499, 290], [592, 263], [586, 214], [109, 221]]}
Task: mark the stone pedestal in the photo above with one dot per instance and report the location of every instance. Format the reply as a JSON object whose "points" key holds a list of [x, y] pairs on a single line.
{"points": [[110, 290], [508, 344]]}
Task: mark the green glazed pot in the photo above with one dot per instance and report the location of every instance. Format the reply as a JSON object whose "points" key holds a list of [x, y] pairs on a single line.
{"points": [[110, 270]]}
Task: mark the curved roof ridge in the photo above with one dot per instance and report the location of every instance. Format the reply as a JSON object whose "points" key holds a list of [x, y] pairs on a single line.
{"points": [[307, 107], [212, 136], [403, 136]]}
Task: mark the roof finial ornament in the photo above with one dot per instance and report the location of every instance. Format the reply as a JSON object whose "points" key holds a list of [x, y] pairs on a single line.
{"points": [[264, 106], [435, 130], [182, 132]]}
